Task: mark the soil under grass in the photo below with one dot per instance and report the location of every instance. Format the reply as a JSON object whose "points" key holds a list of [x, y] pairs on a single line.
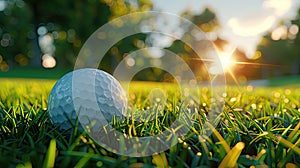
{"points": [[258, 126]]}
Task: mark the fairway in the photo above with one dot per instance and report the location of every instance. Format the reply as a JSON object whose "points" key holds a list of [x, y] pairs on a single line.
{"points": [[258, 126]]}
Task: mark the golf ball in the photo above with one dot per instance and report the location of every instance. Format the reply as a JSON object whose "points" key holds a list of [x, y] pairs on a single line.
{"points": [[88, 94]]}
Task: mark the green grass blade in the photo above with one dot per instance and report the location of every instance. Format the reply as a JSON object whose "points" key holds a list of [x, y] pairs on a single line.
{"points": [[50, 157]]}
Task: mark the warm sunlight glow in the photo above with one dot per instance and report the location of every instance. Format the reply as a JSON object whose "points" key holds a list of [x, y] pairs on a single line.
{"points": [[224, 64], [227, 61], [280, 7], [251, 26]]}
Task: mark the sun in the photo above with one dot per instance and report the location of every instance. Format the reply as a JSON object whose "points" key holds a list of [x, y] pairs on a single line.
{"points": [[226, 61]]}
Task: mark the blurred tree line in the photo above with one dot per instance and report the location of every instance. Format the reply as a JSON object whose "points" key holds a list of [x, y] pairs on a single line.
{"points": [[32, 31], [281, 46], [32, 28]]}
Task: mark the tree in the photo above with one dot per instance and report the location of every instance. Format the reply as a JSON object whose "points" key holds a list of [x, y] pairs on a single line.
{"points": [[208, 23], [15, 35], [69, 23], [280, 46]]}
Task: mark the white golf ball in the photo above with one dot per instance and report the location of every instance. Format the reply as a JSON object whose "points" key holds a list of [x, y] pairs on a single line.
{"points": [[91, 94]]}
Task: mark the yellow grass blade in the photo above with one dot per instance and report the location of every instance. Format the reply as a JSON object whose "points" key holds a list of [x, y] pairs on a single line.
{"points": [[293, 133], [232, 156], [50, 156], [290, 145], [160, 160], [220, 138]]}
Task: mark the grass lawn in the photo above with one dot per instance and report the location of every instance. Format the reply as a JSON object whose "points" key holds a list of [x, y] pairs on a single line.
{"points": [[287, 80], [258, 126]]}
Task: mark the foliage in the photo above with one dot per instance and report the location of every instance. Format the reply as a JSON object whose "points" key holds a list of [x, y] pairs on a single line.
{"points": [[15, 34], [281, 47], [259, 126], [69, 23], [207, 20]]}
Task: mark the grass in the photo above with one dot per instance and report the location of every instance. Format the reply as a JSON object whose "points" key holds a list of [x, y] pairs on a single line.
{"points": [[286, 80], [258, 127]]}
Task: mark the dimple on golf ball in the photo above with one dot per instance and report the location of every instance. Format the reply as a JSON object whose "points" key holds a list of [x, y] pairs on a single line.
{"points": [[91, 94]]}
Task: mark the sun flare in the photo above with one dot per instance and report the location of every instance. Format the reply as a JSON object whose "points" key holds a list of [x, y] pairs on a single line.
{"points": [[226, 61]]}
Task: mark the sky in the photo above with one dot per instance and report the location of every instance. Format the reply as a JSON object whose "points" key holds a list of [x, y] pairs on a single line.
{"points": [[243, 22]]}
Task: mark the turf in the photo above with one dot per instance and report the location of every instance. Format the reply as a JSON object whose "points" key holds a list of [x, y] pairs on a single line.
{"points": [[258, 127]]}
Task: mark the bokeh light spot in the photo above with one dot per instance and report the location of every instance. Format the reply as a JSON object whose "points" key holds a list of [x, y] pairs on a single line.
{"points": [[48, 61]]}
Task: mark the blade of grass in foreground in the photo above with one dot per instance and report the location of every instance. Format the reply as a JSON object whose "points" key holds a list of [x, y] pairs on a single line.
{"points": [[290, 145], [220, 138], [50, 157], [160, 160], [232, 156], [294, 132]]}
